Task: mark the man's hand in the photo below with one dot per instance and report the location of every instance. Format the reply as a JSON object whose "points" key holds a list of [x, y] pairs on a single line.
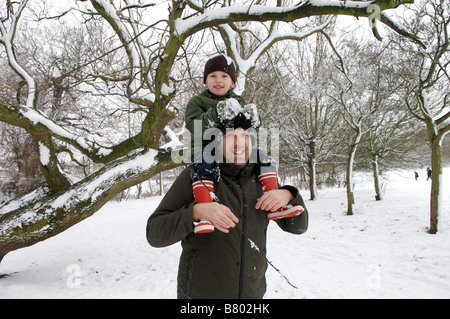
{"points": [[274, 200], [219, 215]]}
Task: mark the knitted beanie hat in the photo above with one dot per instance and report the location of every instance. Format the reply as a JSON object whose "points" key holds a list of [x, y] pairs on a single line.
{"points": [[232, 116], [239, 121], [220, 62]]}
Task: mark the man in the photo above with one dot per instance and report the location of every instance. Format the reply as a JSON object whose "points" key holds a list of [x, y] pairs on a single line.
{"points": [[227, 263]]}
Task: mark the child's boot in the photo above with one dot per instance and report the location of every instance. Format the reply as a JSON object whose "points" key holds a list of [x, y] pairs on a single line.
{"points": [[269, 182], [203, 193]]}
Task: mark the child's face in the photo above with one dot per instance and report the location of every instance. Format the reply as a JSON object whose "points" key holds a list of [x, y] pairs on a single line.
{"points": [[219, 83]]}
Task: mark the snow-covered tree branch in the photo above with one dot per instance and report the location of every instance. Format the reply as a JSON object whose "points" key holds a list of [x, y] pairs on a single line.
{"points": [[245, 66], [222, 15]]}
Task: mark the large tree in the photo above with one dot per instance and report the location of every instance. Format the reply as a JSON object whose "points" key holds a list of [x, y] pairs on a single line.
{"points": [[426, 69], [157, 48]]}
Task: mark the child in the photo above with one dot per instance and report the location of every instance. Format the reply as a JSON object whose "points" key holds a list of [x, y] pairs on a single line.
{"points": [[218, 103]]}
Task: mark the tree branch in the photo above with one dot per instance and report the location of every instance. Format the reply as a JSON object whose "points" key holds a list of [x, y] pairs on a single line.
{"points": [[218, 16], [44, 214]]}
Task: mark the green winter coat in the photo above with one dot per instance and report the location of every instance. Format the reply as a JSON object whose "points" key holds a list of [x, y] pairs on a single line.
{"points": [[203, 107], [219, 265]]}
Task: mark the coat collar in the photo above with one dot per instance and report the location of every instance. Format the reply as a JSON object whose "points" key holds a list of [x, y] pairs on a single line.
{"points": [[229, 94], [233, 170]]}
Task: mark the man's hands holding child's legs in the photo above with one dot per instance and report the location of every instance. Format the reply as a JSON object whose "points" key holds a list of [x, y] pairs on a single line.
{"points": [[219, 215], [274, 200], [222, 218]]}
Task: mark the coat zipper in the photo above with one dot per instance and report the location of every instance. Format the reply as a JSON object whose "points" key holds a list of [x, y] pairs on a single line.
{"points": [[244, 214]]}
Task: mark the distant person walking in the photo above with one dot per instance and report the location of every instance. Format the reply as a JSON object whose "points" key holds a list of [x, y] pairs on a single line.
{"points": [[428, 173], [416, 175]]}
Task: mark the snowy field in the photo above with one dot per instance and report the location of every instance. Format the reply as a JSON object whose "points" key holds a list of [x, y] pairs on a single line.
{"points": [[383, 251]]}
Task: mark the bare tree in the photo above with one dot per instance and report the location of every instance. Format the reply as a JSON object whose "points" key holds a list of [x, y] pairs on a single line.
{"points": [[358, 105], [392, 135], [310, 122], [428, 96]]}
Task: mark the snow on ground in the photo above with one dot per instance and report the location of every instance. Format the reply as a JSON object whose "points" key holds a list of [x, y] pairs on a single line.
{"points": [[382, 251]]}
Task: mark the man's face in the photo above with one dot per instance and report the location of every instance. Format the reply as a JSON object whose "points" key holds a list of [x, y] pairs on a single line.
{"points": [[237, 147], [219, 83]]}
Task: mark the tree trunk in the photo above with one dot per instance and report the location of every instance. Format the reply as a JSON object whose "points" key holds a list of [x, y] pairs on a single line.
{"points": [[435, 137], [349, 180], [312, 171], [376, 178], [49, 163], [436, 189]]}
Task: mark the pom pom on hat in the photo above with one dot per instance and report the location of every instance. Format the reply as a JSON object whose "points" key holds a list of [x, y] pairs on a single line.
{"points": [[233, 116]]}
